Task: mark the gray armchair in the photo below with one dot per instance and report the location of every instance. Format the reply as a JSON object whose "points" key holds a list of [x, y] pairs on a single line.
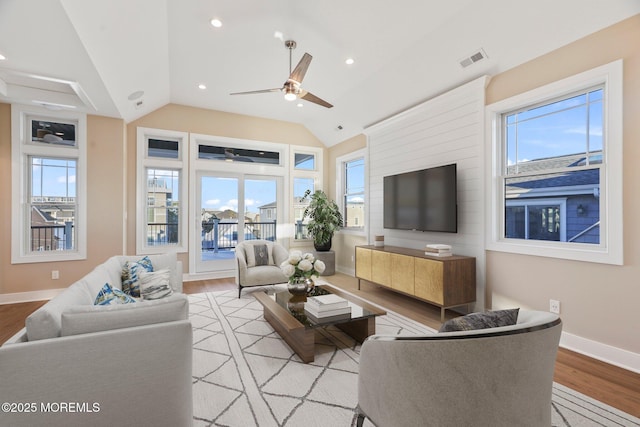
{"points": [[250, 274], [491, 377]]}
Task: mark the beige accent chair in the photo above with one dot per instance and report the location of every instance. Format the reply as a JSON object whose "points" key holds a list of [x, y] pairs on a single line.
{"points": [[490, 377], [248, 274]]}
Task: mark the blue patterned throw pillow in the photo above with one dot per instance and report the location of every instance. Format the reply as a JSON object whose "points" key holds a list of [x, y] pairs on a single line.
{"points": [[130, 275], [109, 295]]}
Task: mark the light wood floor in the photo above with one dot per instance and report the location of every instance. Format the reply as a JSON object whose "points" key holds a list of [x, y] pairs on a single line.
{"points": [[615, 386]]}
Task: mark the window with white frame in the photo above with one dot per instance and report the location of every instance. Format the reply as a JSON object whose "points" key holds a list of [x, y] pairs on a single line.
{"points": [[306, 175], [350, 185], [162, 191], [557, 186], [49, 185]]}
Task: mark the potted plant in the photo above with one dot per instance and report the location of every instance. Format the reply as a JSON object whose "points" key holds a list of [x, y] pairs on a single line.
{"points": [[325, 219]]}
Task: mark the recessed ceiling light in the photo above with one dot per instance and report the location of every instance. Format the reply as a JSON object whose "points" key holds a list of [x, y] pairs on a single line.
{"points": [[300, 104], [278, 35], [202, 86], [349, 61], [2, 57], [216, 22]]}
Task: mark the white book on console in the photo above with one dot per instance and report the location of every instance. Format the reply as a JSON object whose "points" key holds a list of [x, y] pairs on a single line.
{"points": [[437, 251], [439, 246], [326, 302], [438, 254]]}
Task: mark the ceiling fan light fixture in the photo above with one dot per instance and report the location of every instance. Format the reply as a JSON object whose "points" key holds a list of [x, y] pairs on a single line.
{"points": [[290, 96]]}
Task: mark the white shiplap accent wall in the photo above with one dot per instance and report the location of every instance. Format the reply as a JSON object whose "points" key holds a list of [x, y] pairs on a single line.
{"points": [[446, 129]]}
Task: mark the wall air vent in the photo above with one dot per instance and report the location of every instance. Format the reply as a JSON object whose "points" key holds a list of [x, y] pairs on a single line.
{"points": [[479, 55]]}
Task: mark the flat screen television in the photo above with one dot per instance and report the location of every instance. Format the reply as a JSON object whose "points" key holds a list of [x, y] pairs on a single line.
{"points": [[422, 200]]}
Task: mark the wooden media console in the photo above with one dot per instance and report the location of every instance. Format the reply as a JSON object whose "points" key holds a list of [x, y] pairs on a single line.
{"points": [[442, 281]]}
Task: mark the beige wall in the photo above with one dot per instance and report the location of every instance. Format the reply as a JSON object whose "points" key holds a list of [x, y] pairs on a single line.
{"points": [[344, 243], [207, 122], [598, 302], [105, 208]]}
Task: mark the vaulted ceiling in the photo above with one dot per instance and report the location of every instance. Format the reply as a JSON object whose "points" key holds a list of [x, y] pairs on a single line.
{"points": [[94, 55]]}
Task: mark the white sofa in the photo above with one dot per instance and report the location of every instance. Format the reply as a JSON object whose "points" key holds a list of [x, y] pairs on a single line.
{"points": [[77, 364]]}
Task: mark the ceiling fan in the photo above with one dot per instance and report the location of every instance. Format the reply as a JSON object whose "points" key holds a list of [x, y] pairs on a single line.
{"points": [[291, 87]]}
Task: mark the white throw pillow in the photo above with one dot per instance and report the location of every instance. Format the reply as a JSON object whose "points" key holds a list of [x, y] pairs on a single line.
{"points": [[155, 285]]}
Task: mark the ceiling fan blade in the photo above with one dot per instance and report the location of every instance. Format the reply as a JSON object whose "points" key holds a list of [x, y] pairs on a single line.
{"points": [[308, 96], [276, 89], [301, 69]]}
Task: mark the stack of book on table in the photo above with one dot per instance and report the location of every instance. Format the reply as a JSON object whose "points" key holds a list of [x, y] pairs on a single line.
{"points": [[325, 307], [437, 249]]}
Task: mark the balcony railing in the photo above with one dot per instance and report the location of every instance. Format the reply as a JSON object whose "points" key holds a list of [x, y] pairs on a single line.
{"points": [[52, 237], [162, 233], [217, 235]]}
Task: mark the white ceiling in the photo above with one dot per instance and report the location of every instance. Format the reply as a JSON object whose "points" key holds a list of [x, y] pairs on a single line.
{"points": [[93, 54]]}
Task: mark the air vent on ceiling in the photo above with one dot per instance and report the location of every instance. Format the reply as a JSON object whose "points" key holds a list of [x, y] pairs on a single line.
{"points": [[479, 55]]}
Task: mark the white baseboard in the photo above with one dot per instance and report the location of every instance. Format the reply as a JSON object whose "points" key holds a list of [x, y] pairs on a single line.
{"points": [[19, 297], [612, 355]]}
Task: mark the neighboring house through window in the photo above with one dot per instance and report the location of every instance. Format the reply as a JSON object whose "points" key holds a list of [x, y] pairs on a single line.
{"points": [[557, 169]]}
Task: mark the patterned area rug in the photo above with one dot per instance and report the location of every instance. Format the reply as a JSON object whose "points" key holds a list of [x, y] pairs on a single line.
{"points": [[245, 375]]}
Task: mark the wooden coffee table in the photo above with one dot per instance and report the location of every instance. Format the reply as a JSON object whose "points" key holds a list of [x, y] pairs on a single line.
{"points": [[285, 312]]}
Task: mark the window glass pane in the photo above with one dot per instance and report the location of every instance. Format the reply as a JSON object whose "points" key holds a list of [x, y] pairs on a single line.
{"points": [[305, 161], [563, 128], [163, 207], [354, 193], [55, 133], [260, 209], [52, 203], [300, 186], [219, 209], [544, 222], [227, 154], [163, 149], [531, 214]]}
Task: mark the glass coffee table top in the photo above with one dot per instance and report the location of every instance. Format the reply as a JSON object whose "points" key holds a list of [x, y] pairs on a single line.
{"points": [[295, 306]]}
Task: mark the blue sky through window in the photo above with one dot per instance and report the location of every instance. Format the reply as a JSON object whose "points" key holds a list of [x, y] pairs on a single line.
{"points": [[569, 126]]}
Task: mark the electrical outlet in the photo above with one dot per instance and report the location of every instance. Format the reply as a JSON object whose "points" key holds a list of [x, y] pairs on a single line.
{"points": [[55, 274], [554, 306]]}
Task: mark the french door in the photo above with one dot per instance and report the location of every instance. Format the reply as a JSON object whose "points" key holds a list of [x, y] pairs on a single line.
{"points": [[233, 208]]}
